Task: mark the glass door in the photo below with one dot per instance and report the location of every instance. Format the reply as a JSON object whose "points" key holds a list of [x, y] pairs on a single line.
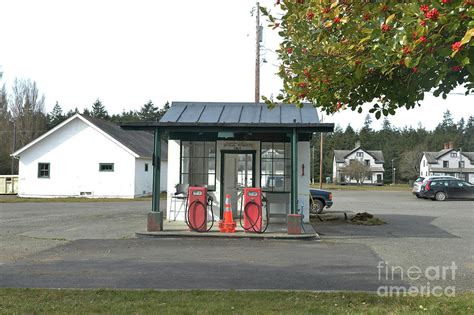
{"points": [[238, 172]]}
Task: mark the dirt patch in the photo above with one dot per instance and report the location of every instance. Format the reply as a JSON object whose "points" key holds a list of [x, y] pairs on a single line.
{"points": [[365, 218]]}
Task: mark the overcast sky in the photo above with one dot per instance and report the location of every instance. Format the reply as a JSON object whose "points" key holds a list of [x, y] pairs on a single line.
{"points": [[127, 52]]}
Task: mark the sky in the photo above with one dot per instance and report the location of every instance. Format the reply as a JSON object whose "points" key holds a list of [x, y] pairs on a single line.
{"points": [[128, 52]]}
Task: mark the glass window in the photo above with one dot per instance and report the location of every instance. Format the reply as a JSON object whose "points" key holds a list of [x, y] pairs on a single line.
{"points": [[198, 163], [43, 170], [454, 154], [146, 167], [106, 167], [461, 164], [360, 154], [275, 166], [445, 164]]}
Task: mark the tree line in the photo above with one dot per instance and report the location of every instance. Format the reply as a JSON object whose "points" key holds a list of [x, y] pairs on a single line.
{"points": [[23, 118], [404, 146]]}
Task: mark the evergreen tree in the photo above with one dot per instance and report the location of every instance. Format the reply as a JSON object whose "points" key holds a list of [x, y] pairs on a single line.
{"points": [[56, 116], [149, 112], [99, 111]]}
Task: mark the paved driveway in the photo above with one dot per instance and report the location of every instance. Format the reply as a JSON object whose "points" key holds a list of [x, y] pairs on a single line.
{"points": [[92, 245]]}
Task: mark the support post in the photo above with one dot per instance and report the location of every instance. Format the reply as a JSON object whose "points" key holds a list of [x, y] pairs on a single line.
{"points": [[155, 217], [294, 172]]}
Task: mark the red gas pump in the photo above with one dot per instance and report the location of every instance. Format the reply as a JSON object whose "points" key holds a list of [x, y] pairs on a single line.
{"points": [[252, 210], [196, 210]]}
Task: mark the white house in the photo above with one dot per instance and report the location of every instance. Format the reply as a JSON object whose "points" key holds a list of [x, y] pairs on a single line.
{"points": [[228, 146], [448, 161], [84, 156], [373, 159]]}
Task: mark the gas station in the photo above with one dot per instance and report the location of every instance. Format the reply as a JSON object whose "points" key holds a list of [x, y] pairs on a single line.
{"points": [[234, 166]]}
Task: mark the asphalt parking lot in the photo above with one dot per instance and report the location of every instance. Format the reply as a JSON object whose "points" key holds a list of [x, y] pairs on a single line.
{"points": [[93, 245]]}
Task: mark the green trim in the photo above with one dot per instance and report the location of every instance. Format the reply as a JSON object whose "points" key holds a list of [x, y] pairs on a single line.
{"points": [[223, 153], [156, 162], [181, 161], [106, 170], [294, 172], [284, 173], [40, 170]]}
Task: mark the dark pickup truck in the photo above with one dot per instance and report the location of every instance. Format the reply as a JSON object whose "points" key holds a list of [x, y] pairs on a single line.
{"points": [[319, 199]]}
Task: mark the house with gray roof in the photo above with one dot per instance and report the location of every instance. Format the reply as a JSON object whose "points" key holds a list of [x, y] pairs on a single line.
{"points": [[449, 161], [88, 157], [372, 159]]}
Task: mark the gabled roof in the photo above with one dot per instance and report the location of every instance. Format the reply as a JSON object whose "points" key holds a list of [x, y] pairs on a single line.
{"points": [[137, 143], [341, 155], [432, 157]]}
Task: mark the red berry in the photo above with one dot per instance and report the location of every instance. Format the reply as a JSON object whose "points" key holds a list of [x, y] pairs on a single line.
{"points": [[456, 68], [456, 46], [358, 62], [338, 105], [422, 39], [276, 25], [432, 14], [306, 73], [326, 10], [384, 8], [445, 1], [366, 16], [406, 50], [424, 8], [423, 23], [289, 50], [414, 69], [302, 85], [309, 15], [337, 20], [385, 27]]}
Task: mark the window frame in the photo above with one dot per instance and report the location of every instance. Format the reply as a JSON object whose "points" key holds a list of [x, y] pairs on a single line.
{"points": [[40, 170], [446, 163], [360, 154], [284, 159], [203, 158], [106, 170], [146, 167]]}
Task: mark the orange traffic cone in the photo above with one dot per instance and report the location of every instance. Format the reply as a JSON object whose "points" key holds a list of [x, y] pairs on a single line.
{"points": [[228, 224]]}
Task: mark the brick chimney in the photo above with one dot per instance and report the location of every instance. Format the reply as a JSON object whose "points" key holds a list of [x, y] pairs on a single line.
{"points": [[445, 146], [357, 144], [450, 145]]}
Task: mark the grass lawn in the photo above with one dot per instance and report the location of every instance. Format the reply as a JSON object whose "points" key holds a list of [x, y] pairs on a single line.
{"points": [[396, 187], [15, 199], [34, 301]]}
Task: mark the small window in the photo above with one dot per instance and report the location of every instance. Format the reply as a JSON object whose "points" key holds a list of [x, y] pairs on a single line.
{"points": [[445, 164], [454, 154], [367, 162], [43, 170], [106, 167], [360, 154], [146, 167], [424, 163], [461, 164]]}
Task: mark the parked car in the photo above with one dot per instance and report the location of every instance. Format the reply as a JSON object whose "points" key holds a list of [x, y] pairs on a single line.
{"points": [[420, 181], [441, 189], [319, 199]]}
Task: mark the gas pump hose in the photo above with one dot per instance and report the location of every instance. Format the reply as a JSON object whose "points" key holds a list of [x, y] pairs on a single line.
{"points": [[195, 204]]}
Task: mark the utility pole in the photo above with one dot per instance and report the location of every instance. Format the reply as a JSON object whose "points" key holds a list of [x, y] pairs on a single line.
{"points": [[257, 55], [13, 147], [393, 173]]}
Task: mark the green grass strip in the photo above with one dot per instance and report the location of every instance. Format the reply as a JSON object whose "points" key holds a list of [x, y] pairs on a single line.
{"points": [[45, 301]]}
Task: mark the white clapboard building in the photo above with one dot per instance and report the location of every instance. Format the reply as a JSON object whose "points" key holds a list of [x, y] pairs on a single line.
{"points": [[88, 157], [449, 161]]}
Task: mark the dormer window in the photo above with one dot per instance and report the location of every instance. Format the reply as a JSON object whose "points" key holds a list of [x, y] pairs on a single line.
{"points": [[454, 154], [360, 154]]}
